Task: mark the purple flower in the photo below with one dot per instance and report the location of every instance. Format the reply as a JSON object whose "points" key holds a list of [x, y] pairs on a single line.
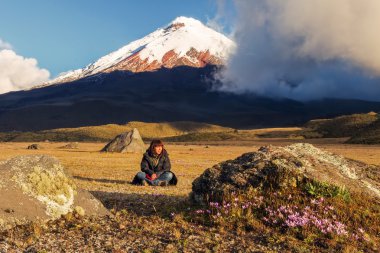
{"points": [[228, 205], [214, 204]]}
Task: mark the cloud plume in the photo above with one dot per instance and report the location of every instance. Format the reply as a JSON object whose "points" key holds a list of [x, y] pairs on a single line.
{"points": [[306, 49], [17, 72]]}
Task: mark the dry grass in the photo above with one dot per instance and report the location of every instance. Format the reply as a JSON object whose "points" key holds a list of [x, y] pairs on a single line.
{"points": [[108, 132], [112, 172], [108, 172], [239, 135], [262, 131]]}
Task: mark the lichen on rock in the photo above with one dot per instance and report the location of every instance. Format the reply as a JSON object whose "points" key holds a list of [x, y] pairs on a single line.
{"points": [[50, 185], [38, 187]]}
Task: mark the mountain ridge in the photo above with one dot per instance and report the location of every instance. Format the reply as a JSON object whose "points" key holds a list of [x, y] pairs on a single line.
{"points": [[177, 94]]}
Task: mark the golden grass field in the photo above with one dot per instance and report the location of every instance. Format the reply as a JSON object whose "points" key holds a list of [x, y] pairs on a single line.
{"points": [[140, 213], [112, 172]]}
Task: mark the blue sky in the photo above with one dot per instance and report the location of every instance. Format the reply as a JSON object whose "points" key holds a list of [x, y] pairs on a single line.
{"points": [[65, 35]]}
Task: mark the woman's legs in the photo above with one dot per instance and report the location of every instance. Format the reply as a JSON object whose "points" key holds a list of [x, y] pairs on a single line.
{"points": [[142, 178], [163, 179]]}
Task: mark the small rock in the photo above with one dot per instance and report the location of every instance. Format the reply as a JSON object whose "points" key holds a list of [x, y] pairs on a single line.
{"points": [[34, 146], [79, 210], [71, 145]]}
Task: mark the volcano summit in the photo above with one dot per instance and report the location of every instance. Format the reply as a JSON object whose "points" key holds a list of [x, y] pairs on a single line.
{"points": [[184, 42]]}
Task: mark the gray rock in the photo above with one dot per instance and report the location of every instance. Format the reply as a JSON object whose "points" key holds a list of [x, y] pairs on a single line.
{"points": [[278, 168], [37, 187], [71, 145], [34, 146], [128, 142]]}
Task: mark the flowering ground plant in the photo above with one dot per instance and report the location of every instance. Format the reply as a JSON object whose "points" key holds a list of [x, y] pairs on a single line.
{"points": [[325, 220]]}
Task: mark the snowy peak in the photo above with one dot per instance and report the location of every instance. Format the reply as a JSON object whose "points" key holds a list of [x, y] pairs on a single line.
{"points": [[184, 42]]}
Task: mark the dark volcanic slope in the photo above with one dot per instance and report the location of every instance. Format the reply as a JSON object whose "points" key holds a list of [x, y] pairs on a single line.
{"points": [[165, 95]]}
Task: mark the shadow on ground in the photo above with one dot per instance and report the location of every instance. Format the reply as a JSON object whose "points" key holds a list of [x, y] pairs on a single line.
{"points": [[102, 180], [143, 204]]}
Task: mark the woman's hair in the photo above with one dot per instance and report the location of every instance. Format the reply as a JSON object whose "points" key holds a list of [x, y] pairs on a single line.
{"points": [[155, 143]]}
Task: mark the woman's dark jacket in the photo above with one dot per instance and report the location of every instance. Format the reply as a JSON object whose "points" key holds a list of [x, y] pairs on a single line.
{"points": [[148, 163], [149, 166]]}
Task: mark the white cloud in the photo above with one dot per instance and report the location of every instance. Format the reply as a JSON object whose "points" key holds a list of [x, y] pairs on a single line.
{"points": [[4, 45], [17, 72], [306, 49]]}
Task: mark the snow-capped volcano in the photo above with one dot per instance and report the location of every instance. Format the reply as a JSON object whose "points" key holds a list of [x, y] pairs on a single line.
{"points": [[184, 42]]}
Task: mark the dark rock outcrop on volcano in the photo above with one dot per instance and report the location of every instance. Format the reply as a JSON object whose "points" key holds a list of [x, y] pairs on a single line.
{"points": [[281, 168]]}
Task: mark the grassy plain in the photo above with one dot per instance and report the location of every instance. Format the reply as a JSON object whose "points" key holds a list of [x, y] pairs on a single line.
{"points": [[142, 211], [112, 172]]}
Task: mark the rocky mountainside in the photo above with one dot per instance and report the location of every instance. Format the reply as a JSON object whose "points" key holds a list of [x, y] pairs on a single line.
{"points": [[184, 42]]}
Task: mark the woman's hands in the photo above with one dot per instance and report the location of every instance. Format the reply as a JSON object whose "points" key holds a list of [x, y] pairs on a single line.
{"points": [[153, 176]]}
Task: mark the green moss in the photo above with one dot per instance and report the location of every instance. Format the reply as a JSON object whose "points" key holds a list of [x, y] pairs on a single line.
{"points": [[323, 189]]}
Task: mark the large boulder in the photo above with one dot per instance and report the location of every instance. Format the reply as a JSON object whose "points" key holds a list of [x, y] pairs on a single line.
{"points": [[37, 187], [128, 142], [279, 168]]}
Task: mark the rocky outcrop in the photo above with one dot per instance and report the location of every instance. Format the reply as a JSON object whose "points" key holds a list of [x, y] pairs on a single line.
{"points": [[171, 59], [128, 142], [281, 168], [38, 187], [71, 145], [34, 146], [134, 63]]}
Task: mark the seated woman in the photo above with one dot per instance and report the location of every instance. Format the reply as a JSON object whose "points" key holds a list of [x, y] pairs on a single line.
{"points": [[155, 167]]}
